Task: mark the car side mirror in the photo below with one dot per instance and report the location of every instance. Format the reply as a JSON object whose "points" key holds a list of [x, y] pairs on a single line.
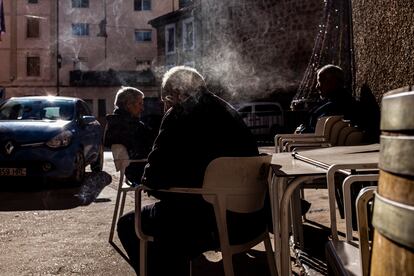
{"points": [[86, 120]]}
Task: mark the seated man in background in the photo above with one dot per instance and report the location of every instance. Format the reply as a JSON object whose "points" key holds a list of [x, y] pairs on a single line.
{"points": [[124, 127], [197, 128], [336, 100]]}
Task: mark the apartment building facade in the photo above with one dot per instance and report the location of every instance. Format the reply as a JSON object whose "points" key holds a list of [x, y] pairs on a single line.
{"points": [[80, 48]]}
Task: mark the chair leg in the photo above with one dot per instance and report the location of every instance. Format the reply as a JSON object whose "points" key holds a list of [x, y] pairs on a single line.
{"points": [[302, 196], [121, 211], [297, 219], [270, 255], [227, 263], [143, 258], [115, 216]]}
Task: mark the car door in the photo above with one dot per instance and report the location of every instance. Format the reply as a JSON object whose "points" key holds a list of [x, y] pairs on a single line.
{"points": [[246, 112], [270, 117], [90, 131]]}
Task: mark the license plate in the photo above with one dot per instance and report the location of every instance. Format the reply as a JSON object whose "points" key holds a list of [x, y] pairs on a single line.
{"points": [[12, 171]]}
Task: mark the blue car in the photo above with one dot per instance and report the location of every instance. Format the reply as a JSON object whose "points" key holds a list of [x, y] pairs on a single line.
{"points": [[49, 137]]}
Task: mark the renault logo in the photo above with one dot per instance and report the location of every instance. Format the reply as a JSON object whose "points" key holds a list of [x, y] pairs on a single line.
{"points": [[9, 147]]}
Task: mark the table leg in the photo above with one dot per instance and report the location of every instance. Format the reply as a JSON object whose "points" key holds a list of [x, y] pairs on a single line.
{"points": [[284, 223], [274, 203], [297, 219]]}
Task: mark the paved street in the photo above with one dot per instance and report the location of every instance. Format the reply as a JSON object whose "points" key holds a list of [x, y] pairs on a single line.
{"points": [[64, 231], [60, 231]]}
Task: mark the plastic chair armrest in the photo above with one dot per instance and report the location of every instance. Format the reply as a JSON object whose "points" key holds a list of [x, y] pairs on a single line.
{"points": [[293, 135], [307, 146], [280, 137], [138, 160], [304, 139]]}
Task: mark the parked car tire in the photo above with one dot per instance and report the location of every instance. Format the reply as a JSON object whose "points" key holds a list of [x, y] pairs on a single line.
{"points": [[97, 166], [79, 171]]}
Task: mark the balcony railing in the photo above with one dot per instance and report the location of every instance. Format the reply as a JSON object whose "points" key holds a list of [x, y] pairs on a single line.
{"points": [[111, 78]]}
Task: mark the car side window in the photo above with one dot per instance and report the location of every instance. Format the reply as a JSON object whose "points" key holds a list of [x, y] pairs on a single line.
{"points": [[245, 111], [82, 110], [87, 109], [268, 110]]}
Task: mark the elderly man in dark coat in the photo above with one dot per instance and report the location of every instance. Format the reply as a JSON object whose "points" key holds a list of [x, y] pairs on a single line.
{"points": [[335, 99], [197, 128]]}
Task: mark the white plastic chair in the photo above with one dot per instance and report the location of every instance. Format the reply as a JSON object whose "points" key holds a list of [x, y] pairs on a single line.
{"points": [[349, 257], [322, 133], [237, 184], [330, 139], [122, 161]]}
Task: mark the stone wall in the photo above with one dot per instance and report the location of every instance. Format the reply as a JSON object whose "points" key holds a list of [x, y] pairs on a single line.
{"points": [[384, 44]]}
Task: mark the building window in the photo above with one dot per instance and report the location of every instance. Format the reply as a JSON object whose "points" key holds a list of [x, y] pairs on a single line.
{"points": [[80, 29], [170, 39], [188, 34], [143, 35], [80, 3], [142, 5], [33, 66], [101, 108], [33, 27], [32, 1]]}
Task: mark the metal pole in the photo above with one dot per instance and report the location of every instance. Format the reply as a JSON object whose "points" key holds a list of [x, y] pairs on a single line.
{"points": [[352, 48], [106, 35], [58, 58]]}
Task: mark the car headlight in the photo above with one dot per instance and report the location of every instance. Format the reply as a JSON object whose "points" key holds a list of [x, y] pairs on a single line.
{"points": [[61, 140]]}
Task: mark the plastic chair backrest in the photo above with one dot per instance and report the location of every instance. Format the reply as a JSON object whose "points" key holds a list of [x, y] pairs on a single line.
{"points": [[327, 123], [320, 125], [356, 137], [336, 131], [120, 155], [243, 180]]}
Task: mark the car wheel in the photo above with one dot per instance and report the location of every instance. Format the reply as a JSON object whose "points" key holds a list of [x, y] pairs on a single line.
{"points": [[79, 171], [98, 164]]}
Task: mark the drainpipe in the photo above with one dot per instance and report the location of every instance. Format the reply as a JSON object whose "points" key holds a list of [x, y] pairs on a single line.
{"points": [[13, 40], [351, 46]]}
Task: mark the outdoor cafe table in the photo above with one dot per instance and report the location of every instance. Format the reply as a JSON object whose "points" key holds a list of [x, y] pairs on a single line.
{"points": [[292, 169]]}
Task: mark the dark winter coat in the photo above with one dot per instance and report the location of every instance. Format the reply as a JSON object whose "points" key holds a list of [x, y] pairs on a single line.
{"points": [[340, 103], [124, 129], [191, 135]]}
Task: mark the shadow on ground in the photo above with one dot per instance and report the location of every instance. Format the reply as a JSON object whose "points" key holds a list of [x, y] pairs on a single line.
{"points": [[30, 194], [252, 263]]}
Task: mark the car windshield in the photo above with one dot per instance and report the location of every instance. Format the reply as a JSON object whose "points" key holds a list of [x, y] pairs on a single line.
{"points": [[16, 109]]}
